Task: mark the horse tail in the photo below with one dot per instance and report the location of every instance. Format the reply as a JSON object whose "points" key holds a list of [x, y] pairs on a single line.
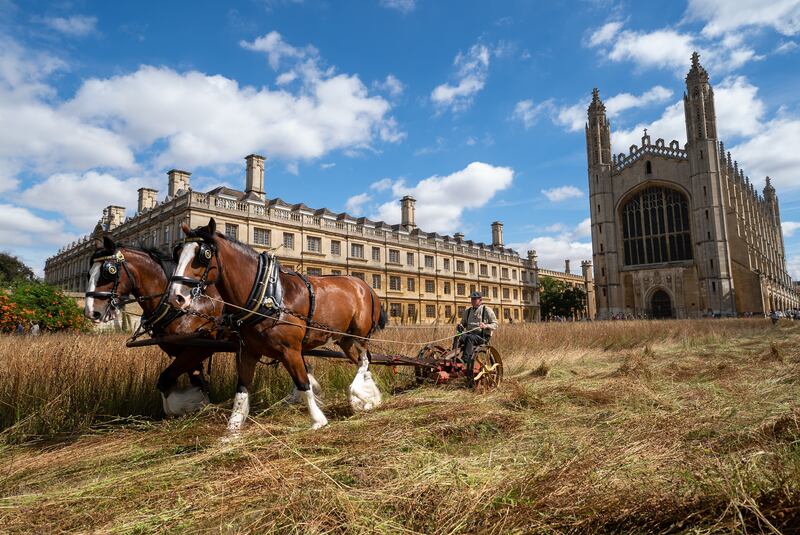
{"points": [[383, 318]]}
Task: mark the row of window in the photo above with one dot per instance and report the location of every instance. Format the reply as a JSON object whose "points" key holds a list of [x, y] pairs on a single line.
{"points": [[396, 311]]}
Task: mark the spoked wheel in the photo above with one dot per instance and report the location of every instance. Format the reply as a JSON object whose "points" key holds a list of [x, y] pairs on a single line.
{"points": [[488, 368], [424, 374]]}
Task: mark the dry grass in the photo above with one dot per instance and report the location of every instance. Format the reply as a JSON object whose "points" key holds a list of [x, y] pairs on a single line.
{"points": [[632, 426]]}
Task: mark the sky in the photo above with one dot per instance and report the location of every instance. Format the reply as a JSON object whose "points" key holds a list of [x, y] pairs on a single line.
{"points": [[476, 109]]}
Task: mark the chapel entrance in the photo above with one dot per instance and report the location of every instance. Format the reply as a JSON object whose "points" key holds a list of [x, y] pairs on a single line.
{"points": [[661, 305]]}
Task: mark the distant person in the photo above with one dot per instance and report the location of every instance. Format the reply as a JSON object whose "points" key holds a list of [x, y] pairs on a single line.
{"points": [[20, 328], [477, 324], [774, 317], [35, 329]]}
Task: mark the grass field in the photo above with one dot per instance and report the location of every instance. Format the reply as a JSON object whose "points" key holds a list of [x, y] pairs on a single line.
{"points": [[654, 427]]}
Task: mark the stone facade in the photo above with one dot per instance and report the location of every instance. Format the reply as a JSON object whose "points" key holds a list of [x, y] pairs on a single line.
{"points": [[680, 231], [421, 277]]}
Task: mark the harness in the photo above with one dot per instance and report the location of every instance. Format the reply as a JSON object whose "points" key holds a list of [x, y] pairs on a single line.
{"points": [[206, 252], [311, 305], [266, 295]]}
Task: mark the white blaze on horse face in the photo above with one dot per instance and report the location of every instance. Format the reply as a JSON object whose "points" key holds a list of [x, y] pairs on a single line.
{"points": [[188, 253], [94, 275]]}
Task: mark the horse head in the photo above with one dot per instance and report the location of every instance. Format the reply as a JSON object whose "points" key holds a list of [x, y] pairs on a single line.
{"points": [[110, 281], [198, 264]]}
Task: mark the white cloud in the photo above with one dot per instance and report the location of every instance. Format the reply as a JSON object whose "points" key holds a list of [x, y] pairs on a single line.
{"points": [[382, 184], [355, 204], [472, 70], [442, 200], [293, 168], [19, 226], [329, 165], [528, 113], [562, 193], [605, 33], [725, 16], [624, 101], [390, 85], [566, 244], [75, 26], [670, 49], [773, 152], [671, 125], [276, 49], [403, 6], [81, 198], [793, 266], [786, 47], [789, 227]]}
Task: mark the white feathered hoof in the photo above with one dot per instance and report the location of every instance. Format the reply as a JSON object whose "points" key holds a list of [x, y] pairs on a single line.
{"points": [[180, 402], [241, 409], [364, 393]]}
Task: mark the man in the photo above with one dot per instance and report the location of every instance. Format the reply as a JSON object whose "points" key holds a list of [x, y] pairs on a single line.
{"points": [[477, 325]]}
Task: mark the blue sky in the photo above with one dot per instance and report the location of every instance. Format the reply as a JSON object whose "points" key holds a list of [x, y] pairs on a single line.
{"points": [[474, 108]]}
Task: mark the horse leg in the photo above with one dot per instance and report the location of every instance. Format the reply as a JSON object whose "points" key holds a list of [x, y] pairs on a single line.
{"points": [[246, 368], [293, 362], [364, 393], [297, 396], [180, 402]]}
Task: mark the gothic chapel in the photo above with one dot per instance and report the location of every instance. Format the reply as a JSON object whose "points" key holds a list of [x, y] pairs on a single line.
{"points": [[680, 232]]}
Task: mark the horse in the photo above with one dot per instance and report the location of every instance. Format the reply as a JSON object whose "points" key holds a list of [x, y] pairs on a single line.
{"points": [[281, 313], [117, 271]]}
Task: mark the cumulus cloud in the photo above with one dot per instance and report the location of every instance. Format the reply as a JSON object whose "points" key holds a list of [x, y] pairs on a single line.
{"points": [[277, 50], [382, 184], [573, 117], [403, 6], [562, 193], [442, 200], [355, 204], [74, 26], [725, 16], [472, 70], [81, 197], [789, 227], [566, 243], [668, 48], [19, 226], [390, 85], [785, 47], [773, 152]]}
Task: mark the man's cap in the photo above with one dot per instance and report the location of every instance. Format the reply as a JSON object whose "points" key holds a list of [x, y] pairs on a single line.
{"points": [[475, 295]]}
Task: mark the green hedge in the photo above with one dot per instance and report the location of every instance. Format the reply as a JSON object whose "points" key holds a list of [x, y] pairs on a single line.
{"points": [[36, 302]]}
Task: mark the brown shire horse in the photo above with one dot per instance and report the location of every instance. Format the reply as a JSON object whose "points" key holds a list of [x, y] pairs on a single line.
{"points": [[345, 305], [117, 272]]}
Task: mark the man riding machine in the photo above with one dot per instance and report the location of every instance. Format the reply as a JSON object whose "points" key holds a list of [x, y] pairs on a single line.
{"points": [[478, 323]]}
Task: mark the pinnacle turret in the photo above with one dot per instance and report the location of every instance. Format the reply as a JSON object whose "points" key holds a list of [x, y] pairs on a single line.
{"points": [[596, 105]]}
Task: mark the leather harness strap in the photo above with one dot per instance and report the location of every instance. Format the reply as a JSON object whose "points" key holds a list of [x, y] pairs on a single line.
{"points": [[311, 305], [265, 295]]}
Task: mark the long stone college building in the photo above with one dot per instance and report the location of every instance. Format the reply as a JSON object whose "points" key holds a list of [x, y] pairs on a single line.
{"points": [[421, 277], [681, 231]]}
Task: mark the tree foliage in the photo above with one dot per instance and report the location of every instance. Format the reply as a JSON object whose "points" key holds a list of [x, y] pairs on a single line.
{"points": [[13, 269], [35, 302], [556, 298]]}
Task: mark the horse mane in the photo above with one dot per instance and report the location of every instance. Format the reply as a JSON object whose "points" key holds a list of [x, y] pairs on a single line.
{"points": [[202, 232]]}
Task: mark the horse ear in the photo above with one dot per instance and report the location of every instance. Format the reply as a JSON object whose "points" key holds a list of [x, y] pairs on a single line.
{"points": [[185, 228], [212, 226], [108, 243]]}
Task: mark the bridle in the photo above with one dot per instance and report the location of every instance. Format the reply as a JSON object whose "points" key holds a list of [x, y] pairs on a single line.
{"points": [[205, 253], [110, 270]]}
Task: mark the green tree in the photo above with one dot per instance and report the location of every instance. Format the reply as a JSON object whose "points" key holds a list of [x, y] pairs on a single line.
{"points": [[13, 269], [556, 298]]}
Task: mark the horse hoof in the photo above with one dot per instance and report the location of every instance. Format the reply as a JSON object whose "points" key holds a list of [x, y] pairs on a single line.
{"points": [[319, 425]]}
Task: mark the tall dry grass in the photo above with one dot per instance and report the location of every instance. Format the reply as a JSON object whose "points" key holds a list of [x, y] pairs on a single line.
{"points": [[644, 427]]}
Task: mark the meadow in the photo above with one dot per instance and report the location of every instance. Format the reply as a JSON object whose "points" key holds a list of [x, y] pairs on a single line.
{"points": [[656, 427]]}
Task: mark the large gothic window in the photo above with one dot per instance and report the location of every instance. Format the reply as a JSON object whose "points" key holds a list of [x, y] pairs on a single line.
{"points": [[655, 227]]}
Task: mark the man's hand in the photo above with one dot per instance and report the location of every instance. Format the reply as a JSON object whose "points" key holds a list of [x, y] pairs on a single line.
{"points": [[482, 325]]}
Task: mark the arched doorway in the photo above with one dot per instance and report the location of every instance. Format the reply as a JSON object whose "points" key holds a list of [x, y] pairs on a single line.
{"points": [[661, 305]]}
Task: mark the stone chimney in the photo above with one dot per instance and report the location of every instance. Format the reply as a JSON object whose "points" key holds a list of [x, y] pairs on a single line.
{"points": [[178, 182], [459, 236], [566, 266], [586, 268], [113, 216], [407, 212], [532, 259], [497, 234], [147, 199], [255, 174]]}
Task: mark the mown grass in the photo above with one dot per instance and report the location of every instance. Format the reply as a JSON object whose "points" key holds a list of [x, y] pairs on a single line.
{"points": [[622, 427]]}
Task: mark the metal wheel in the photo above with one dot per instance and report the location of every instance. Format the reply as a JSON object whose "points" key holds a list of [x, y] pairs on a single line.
{"points": [[425, 374], [488, 368]]}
